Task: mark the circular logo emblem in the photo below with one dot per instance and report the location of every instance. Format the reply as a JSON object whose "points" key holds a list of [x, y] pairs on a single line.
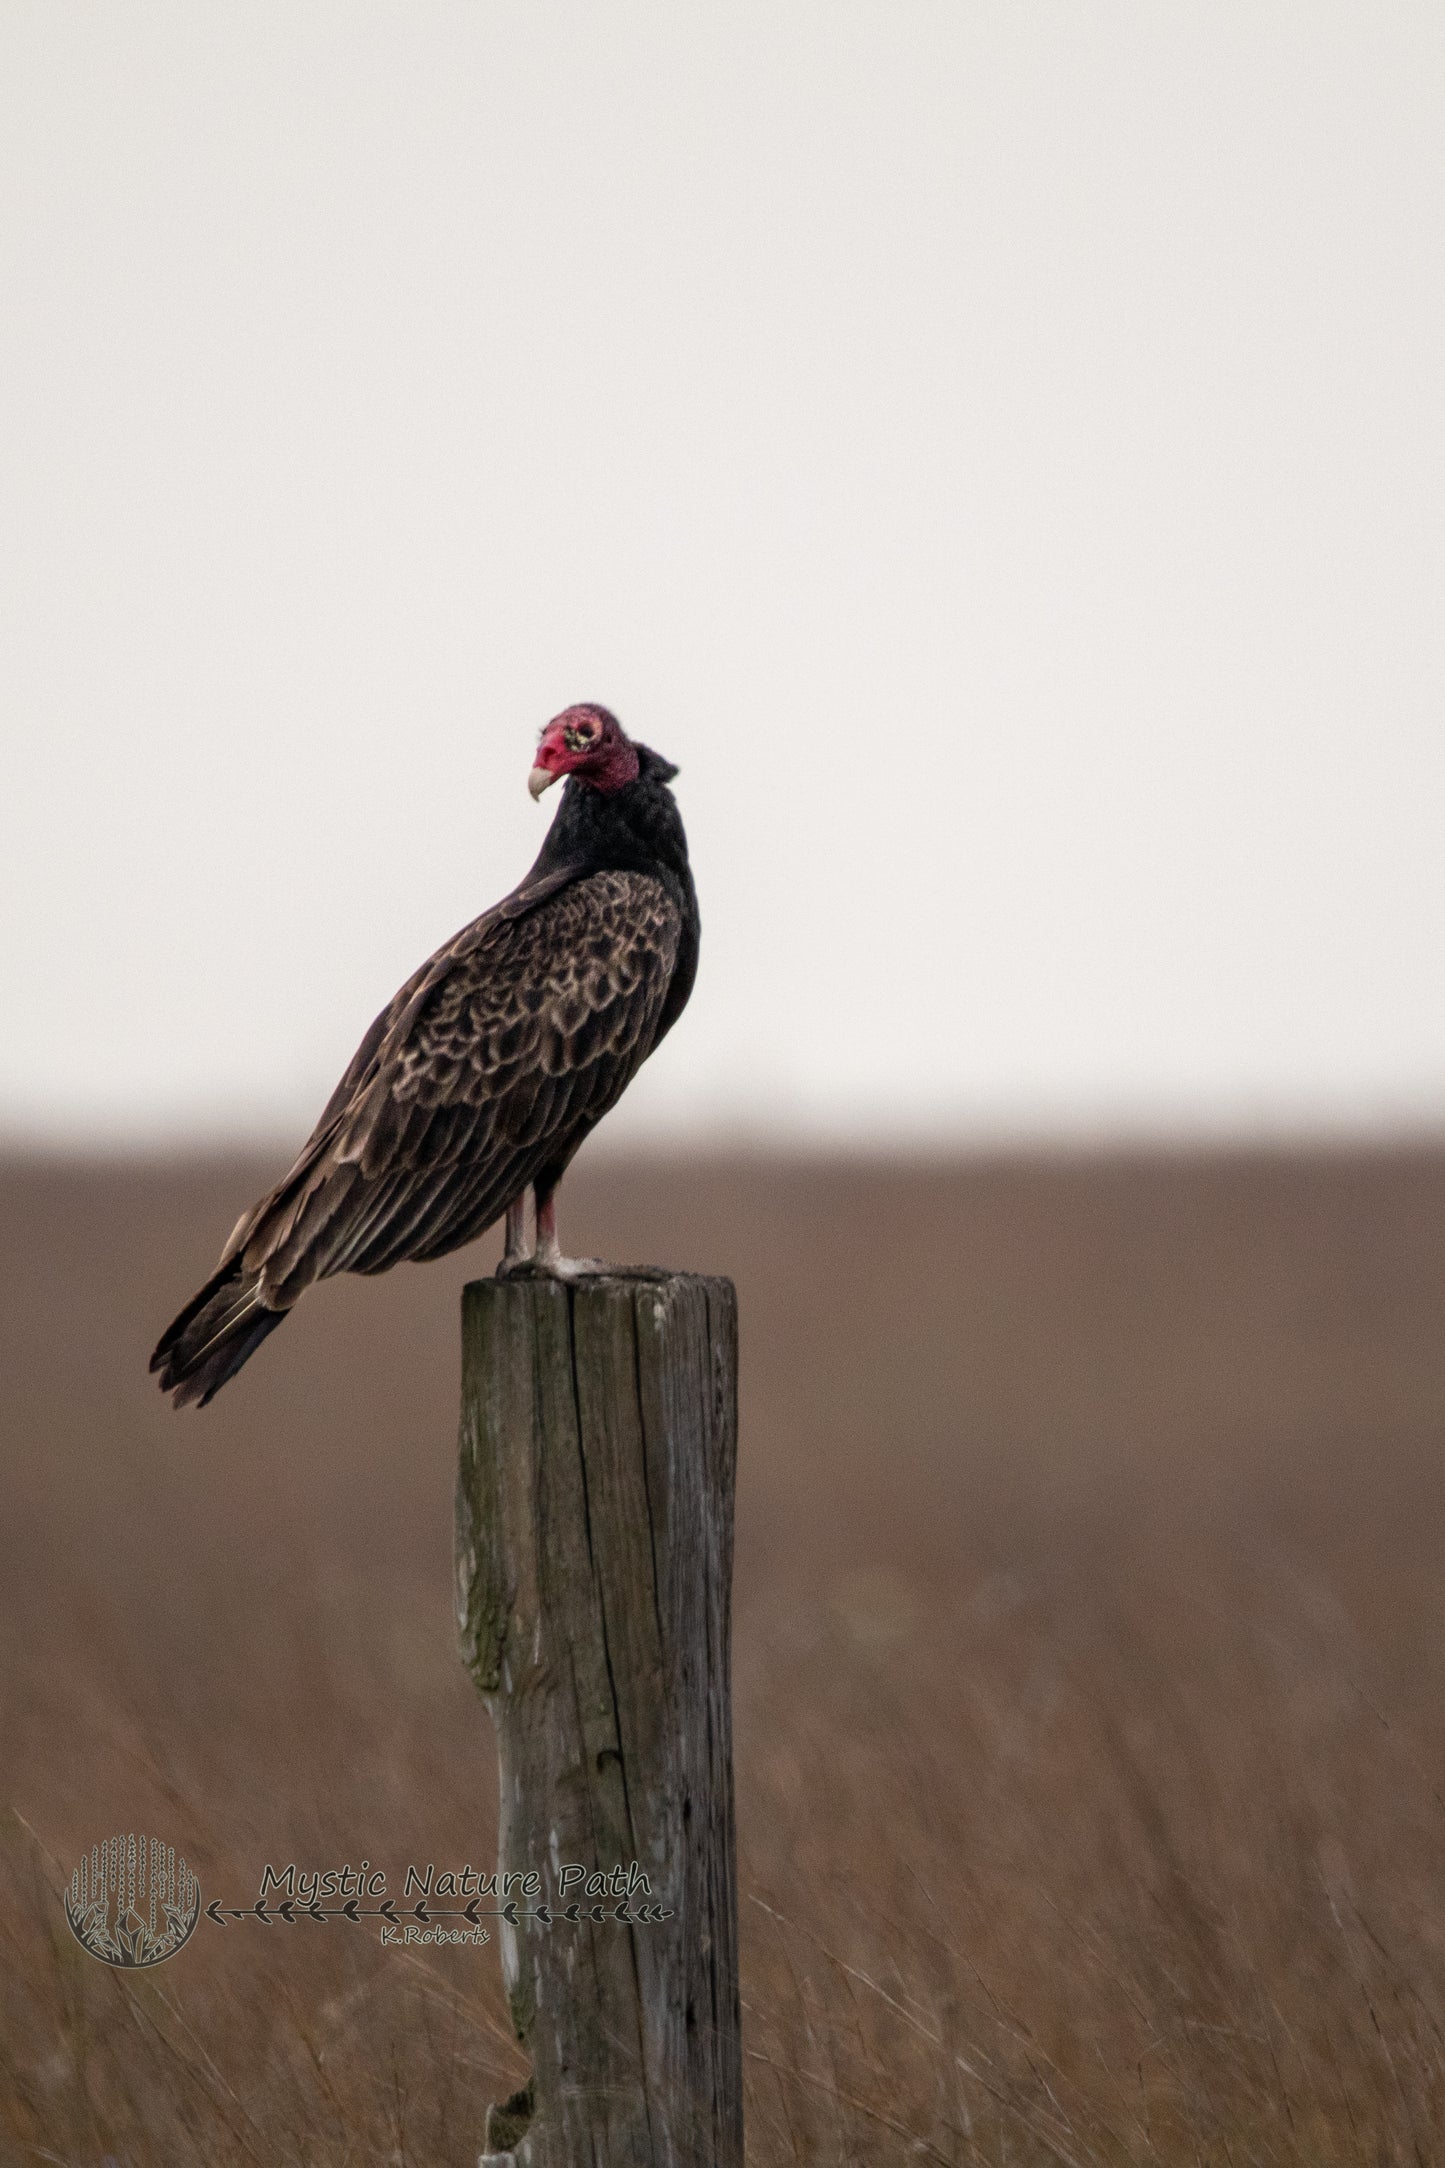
{"points": [[132, 1902]]}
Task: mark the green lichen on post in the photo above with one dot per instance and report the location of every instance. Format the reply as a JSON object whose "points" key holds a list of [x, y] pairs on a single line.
{"points": [[507, 2122], [481, 1605]]}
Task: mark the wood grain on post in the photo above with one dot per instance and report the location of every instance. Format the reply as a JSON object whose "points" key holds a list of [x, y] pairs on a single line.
{"points": [[594, 1576]]}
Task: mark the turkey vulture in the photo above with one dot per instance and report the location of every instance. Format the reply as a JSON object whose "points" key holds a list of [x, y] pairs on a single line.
{"points": [[483, 1075]]}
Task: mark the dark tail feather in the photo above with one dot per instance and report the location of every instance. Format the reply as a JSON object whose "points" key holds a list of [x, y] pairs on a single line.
{"points": [[218, 1330]]}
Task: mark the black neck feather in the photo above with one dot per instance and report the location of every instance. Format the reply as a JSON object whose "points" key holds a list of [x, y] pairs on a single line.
{"points": [[637, 827]]}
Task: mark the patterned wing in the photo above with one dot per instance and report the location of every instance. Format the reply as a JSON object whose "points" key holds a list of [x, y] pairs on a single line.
{"points": [[486, 1071]]}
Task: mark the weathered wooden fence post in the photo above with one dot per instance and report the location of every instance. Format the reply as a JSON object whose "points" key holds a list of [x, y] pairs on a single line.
{"points": [[594, 1577]]}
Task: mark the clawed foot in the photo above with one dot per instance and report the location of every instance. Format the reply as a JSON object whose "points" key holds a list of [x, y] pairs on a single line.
{"points": [[558, 1267], [554, 1267]]}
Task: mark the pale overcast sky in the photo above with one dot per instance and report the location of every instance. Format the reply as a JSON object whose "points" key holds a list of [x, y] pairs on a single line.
{"points": [[995, 449]]}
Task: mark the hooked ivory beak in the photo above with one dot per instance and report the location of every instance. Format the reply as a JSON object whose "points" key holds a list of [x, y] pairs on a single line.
{"points": [[539, 780]]}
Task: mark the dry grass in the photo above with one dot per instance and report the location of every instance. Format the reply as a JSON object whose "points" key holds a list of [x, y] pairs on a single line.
{"points": [[1090, 1668]]}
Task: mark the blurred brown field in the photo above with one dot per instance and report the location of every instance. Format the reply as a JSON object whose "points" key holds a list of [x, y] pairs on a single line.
{"points": [[1090, 1664]]}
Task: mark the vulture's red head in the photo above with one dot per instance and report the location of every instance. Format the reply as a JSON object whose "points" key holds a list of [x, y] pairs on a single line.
{"points": [[585, 741]]}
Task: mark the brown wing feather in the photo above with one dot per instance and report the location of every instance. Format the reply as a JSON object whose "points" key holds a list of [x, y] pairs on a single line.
{"points": [[306, 1174], [488, 1069]]}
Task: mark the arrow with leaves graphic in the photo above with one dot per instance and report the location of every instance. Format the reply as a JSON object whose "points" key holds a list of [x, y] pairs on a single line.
{"points": [[292, 1911]]}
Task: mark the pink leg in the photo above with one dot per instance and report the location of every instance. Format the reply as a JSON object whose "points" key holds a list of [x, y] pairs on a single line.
{"points": [[516, 1253], [548, 1256]]}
